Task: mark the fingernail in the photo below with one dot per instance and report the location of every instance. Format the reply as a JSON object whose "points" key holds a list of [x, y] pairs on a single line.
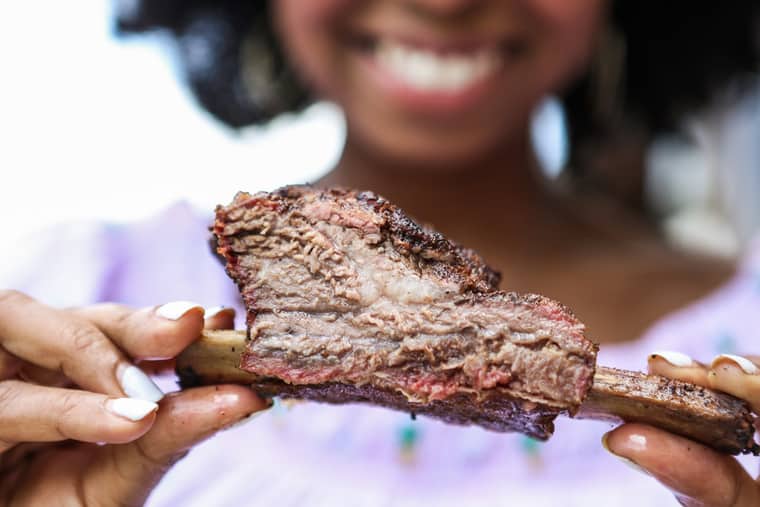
{"points": [[216, 310], [742, 362], [136, 384], [130, 408], [678, 359], [629, 462], [176, 310]]}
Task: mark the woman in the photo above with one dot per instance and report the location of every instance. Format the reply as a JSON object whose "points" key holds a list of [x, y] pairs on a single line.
{"points": [[437, 96]]}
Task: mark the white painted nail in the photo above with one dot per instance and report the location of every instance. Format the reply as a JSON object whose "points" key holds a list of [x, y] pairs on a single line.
{"points": [[742, 362], [136, 384], [132, 409], [175, 310], [675, 358], [215, 310]]}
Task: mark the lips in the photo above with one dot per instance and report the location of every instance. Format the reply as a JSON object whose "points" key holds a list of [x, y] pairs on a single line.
{"points": [[435, 77]]}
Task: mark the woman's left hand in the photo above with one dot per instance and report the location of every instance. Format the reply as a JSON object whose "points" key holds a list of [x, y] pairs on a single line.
{"points": [[696, 474]]}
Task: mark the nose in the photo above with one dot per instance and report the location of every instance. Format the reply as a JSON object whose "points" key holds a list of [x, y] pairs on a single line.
{"points": [[444, 7]]}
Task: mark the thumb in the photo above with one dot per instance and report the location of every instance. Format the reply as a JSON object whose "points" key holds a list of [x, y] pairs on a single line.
{"points": [[126, 474], [697, 475]]}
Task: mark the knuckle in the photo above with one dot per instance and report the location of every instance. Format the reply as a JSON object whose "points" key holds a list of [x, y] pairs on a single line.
{"points": [[82, 343], [12, 296], [114, 312], [68, 405], [159, 462], [83, 336], [124, 321]]}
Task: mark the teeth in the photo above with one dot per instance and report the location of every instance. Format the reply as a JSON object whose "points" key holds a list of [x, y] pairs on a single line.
{"points": [[429, 71]]}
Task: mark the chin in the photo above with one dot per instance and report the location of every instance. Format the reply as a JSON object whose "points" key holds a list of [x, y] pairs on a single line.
{"points": [[448, 152]]}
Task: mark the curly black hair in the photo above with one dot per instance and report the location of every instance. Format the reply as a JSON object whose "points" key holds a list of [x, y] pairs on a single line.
{"points": [[215, 39], [678, 59]]}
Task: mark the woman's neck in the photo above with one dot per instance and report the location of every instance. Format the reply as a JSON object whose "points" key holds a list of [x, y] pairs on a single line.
{"points": [[497, 208], [500, 195]]}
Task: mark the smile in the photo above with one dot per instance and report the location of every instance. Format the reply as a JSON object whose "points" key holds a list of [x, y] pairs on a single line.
{"points": [[437, 77], [425, 70]]}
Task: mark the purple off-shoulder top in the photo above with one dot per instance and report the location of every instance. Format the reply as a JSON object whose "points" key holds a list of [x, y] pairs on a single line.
{"points": [[313, 455]]}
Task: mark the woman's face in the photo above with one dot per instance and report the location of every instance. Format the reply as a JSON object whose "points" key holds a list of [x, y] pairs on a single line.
{"points": [[437, 82]]}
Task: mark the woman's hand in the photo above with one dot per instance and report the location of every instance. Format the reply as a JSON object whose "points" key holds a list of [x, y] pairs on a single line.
{"points": [[69, 388], [697, 475]]}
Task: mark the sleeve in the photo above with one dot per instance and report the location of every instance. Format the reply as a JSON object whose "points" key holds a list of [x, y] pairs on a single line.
{"points": [[64, 265]]}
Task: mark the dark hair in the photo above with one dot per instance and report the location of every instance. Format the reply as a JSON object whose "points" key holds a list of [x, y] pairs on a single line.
{"points": [[677, 56], [215, 40]]}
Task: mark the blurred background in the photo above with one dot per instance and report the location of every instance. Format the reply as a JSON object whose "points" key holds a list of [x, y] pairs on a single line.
{"points": [[96, 127]]}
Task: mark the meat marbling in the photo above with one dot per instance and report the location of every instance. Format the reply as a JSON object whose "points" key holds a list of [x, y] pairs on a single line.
{"points": [[349, 300]]}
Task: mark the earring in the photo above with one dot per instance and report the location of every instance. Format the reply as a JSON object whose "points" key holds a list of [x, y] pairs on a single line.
{"points": [[268, 81], [607, 77]]}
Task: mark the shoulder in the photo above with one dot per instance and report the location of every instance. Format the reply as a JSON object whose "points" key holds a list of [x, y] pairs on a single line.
{"points": [[724, 319], [167, 257]]}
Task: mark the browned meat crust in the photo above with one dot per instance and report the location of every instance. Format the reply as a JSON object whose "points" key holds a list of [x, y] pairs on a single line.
{"points": [[712, 418], [348, 299]]}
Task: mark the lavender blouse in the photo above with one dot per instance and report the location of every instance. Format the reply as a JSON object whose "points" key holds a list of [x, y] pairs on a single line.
{"points": [[313, 455]]}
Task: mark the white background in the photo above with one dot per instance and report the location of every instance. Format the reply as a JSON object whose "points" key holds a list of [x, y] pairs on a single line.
{"points": [[92, 127]]}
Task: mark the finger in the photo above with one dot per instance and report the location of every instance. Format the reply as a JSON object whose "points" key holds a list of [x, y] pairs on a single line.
{"points": [[677, 365], [124, 325], [32, 413], [219, 317], [697, 475], [150, 333], [214, 318], [185, 419], [738, 376], [63, 342]]}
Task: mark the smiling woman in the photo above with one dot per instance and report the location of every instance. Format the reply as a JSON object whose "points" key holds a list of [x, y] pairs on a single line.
{"points": [[672, 60], [442, 93], [437, 96]]}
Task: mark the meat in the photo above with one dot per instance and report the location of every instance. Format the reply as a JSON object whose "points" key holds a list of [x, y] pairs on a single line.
{"points": [[349, 300], [712, 418]]}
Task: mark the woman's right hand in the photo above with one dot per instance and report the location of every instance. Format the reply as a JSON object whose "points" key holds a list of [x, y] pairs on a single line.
{"points": [[69, 389], [696, 474]]}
